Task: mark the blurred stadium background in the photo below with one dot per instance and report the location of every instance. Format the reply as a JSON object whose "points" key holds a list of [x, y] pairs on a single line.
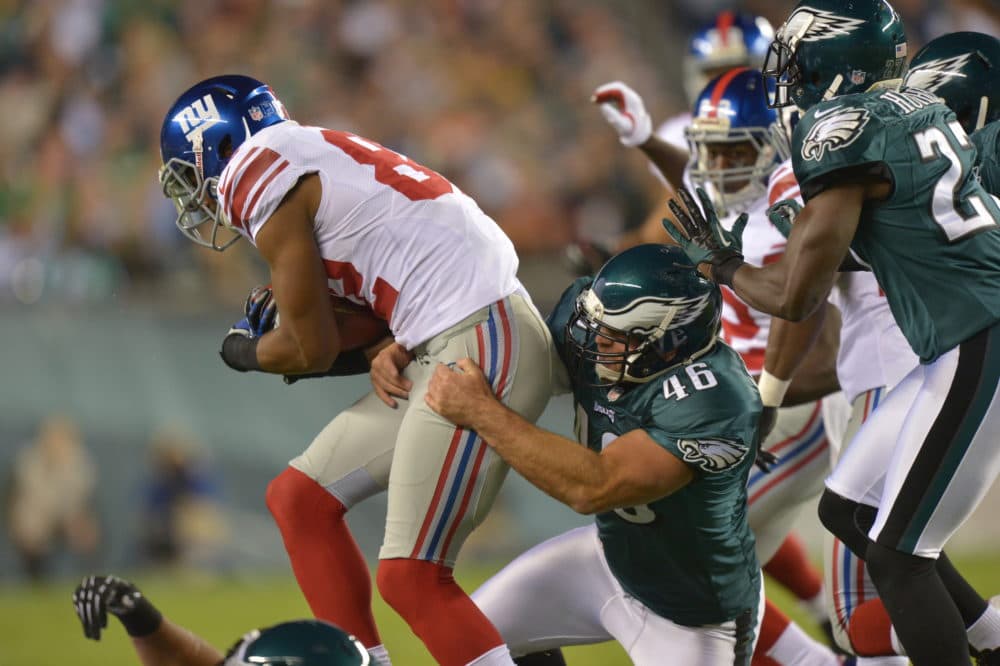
{"points": [[125, 444]]}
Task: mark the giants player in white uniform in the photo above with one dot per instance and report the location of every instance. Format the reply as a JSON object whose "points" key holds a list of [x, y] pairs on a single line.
{"points": [[733, 156], [333, 212]]}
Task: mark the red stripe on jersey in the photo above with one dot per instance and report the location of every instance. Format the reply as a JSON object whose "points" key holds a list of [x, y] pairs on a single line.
{"points": [[352, 281], [723, 24], [745, 328], [247, 179], [385, 299], [720, 90], [233, 173], [774, 256], [263, 186], [344, 272], [754, 360], [783, 187]]}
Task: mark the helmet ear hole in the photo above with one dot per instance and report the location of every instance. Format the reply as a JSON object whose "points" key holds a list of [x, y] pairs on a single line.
{"points": [[226, 147]]}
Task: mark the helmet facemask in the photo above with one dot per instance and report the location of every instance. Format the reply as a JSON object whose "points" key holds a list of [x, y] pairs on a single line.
{"points": [[731, 187], [197, 204], [780, 64]]}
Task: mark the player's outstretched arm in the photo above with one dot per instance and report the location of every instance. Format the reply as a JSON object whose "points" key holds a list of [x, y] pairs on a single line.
{"points": [[632, 470], [157, 640], [797, 284], [624, 110]]}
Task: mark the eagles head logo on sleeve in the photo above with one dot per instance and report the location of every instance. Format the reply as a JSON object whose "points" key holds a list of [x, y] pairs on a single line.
{"points": [[832, 130], [713, 454], [934, 74]]}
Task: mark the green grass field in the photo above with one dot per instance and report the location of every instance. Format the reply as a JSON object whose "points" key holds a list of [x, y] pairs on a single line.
{"points": [[38, 626]]}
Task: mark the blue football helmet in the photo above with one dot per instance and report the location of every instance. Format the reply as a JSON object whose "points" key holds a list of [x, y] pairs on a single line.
{"points": [[963, 69], [298, 643], [651, 298], [831, 47], [733, 39], [201, 131], [731, 139]]}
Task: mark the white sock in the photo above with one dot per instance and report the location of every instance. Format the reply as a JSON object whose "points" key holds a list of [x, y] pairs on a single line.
{"points": [[381, 654], [984, 634], [794, 646], [882, 661], [498, 656]]}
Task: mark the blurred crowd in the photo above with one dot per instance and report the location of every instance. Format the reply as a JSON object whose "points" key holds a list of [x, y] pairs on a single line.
{"points": [[491, 93]]}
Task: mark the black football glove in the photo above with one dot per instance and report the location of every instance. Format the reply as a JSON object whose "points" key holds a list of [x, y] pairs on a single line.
{"points": [[705, 240], [96, 596], [766, 460]]}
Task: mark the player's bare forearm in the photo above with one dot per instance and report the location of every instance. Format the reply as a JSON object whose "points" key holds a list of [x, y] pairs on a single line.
{"points": [[667, 158], [797, 284], [805, 352], [173, 645], [560, 467]]}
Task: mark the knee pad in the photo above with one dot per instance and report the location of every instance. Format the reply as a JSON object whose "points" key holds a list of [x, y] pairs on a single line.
{"points": [[890, 568], [838, 515], [292, 494]]}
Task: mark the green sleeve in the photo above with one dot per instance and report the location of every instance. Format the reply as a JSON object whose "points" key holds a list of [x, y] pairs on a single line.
{"points": [[987, 142]]}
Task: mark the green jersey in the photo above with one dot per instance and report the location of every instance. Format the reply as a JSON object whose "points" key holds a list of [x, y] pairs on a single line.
{"points": [[987, 142], [688, 556], [934, 243]]}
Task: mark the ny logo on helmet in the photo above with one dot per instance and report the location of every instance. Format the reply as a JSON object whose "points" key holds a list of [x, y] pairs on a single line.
{"points": [[198, 117], [933, 74], [813, 25], [835, 128]]}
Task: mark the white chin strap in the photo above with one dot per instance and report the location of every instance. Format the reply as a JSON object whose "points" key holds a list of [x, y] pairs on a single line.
{"points": [[984, 105], [831, 92]]}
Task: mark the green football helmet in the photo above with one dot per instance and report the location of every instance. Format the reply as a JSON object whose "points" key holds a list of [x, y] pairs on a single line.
{"points": [[652, 299], [962, 68], [298, 643], [834, 47]]}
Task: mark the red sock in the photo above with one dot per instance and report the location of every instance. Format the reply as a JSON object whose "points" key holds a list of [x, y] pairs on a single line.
{"points": [[438, 611], [771, 628], [870, 630], [328, 565], [791, 567]]}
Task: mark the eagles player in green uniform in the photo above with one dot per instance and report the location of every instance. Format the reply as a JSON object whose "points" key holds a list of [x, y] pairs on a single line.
{"points": [[668, 415], [160, 642], [963, 69], [887, 176]]}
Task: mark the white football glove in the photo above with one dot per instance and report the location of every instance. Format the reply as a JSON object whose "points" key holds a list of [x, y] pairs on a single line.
{"points": [[622, 107]]}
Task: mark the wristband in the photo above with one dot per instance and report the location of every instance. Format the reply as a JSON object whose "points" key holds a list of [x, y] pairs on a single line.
{"points": [[725, 269], [772, 390], [143, 619], [239, 352]]}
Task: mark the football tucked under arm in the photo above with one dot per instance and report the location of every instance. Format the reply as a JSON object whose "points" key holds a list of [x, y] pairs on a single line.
{"points": [[360, 329]]}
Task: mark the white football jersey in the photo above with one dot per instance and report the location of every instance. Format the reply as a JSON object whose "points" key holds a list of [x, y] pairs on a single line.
{"points": [[873, 351], [393, 235], [744, 328]]}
